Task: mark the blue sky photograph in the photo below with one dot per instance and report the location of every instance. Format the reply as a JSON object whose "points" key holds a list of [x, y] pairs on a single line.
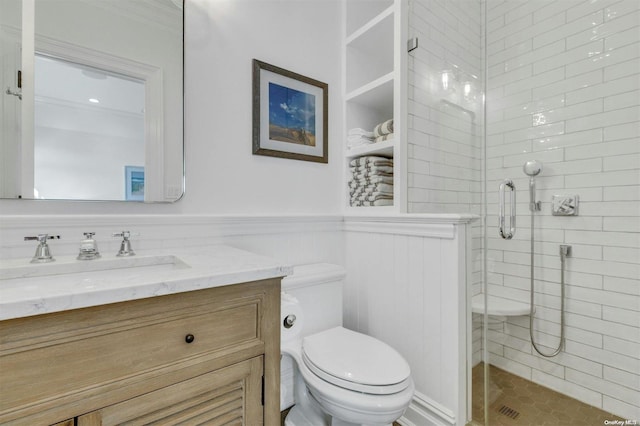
{"points": [[292, 109]]}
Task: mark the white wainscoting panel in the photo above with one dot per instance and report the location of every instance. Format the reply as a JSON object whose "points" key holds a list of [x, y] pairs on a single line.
{"points": [[406, 285]]}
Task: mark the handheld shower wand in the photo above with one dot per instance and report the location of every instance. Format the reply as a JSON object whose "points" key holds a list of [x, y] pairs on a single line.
{"points": [[532, 169]]}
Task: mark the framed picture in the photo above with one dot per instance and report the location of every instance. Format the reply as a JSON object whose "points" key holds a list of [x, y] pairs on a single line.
{"points": [[289, 114], [133, 183]]}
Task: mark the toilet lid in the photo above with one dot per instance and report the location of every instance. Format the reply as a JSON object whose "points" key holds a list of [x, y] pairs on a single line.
{"points": [[355, 361]]}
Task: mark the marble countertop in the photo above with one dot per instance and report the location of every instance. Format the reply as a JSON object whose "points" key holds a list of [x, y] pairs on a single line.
{"points": [[33, 289]]}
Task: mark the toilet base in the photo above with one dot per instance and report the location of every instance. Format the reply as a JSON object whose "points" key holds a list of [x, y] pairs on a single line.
{"points": [[296, 417]]}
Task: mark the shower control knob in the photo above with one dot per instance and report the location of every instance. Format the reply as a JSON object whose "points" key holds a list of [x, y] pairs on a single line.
{"points": [[289, 321]]}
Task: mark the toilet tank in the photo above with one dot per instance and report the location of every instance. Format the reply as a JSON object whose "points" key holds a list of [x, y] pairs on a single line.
{"points": [[318, 289]]}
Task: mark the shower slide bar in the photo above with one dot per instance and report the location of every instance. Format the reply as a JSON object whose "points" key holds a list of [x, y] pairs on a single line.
{"points": [[507, 183], [532, 169]]}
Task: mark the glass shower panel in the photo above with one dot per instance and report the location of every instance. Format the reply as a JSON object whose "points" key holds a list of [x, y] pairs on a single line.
{"points": [[562, 124]]}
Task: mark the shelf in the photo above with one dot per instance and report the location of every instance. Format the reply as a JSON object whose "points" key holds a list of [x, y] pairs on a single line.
{"points": [[373, 70], [383, 149], [370, 51], [375, 30], [499, 306], [360, 14], [376, 92]]}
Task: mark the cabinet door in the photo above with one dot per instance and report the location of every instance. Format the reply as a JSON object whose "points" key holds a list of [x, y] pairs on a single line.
{"points": [[229, 396], [65, 423]]}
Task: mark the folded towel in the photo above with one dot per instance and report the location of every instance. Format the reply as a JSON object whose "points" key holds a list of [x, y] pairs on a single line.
{"points": [[358, 138], [379, 187], [376, 200], [358, 203], [371, 160], [369, 174], [385, 183], [373, 196], [383, 128], [358, 141], [361, 132], [372, 169], [365, 196]]}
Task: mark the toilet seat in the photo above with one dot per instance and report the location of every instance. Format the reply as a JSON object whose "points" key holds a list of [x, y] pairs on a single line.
{"points": [[356, 362], [345, 404]]}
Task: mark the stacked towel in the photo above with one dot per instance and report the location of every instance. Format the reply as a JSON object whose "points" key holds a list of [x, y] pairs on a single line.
{"points": [[371, 182], [358, 137], [381, 133]]}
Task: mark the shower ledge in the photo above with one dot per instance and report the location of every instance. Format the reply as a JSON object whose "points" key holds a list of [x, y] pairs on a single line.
{"points": [[499, 306]]}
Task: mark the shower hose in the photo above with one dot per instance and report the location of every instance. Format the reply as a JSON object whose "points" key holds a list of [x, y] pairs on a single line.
{"points": [[564, 252]]}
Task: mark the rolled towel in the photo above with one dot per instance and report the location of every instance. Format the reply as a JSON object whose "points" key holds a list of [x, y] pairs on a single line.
{"points": [[387, 137], [383, 128]]}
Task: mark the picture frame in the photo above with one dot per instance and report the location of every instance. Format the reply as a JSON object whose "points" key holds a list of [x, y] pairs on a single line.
{"points": [[134, 183], [290, 114]]}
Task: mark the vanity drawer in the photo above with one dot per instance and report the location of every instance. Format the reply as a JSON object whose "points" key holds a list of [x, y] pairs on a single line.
{"points": [[126, 346]]}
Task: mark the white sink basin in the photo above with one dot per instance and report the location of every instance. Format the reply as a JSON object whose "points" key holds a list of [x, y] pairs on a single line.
{"points": [[69, 265]]}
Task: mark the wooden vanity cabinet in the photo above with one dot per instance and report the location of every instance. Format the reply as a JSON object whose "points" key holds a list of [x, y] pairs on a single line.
{"points": [[201, 357], [70, 422]]}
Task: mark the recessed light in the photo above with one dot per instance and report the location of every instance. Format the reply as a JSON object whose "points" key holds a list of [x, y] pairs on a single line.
{"points": [[94, 101]]}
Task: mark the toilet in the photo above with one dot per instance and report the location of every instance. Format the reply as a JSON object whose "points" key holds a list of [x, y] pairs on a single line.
{"points": [[333, 375]]}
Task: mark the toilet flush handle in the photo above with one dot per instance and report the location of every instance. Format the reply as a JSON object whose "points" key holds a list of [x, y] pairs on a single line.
{"points": [[289, 321]]}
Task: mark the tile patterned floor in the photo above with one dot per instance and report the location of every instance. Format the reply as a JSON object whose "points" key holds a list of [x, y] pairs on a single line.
{"points": [[526, 403], [515, 401]]}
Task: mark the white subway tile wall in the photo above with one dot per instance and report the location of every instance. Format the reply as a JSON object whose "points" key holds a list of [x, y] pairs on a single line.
{"points": [[445, 123], [444, 138], [563, 89]]}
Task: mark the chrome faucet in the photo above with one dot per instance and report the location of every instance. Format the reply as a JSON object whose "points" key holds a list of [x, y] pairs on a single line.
{"points": [[125, 245], [88, 247], [43, 254]]}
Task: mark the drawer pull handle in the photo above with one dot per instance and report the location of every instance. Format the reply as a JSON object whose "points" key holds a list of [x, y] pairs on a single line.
{"points": [[189, 338]]}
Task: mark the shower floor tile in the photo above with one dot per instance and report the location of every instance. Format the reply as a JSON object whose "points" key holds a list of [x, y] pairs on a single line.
{"points": [[517, 401]]}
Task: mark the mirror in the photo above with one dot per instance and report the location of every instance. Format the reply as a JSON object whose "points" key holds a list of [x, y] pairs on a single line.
{"points": [[92, 100]]}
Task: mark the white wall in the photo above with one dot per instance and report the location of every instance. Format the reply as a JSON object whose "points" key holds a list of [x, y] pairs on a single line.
{"points": [[564, 89], [222, 175]]}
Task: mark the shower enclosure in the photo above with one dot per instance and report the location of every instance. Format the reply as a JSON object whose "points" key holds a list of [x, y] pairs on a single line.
{"points": [[562, 98], [535, 106]]}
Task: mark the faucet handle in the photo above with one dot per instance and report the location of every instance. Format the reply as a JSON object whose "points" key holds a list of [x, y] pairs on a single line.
{"points": [[43, 254], [42, 238], [123, 234], [125, 245]]}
